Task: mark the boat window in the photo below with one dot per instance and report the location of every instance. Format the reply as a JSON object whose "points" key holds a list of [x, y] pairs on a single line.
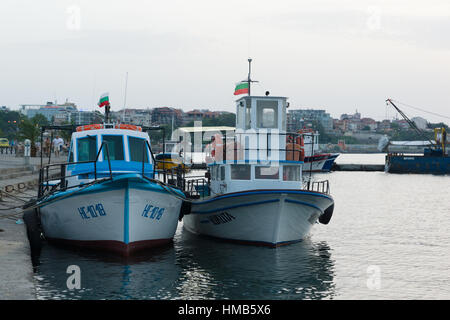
{"points": [[115, 147], [291, 173], [137, 145], [212, 171], [87, 148], [222, 172], [248, 117], [240, 115], [267, 114], [267, 172], [240, 172]]}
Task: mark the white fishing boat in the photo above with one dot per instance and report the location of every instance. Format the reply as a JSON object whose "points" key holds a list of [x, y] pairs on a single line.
{"points": [[107, 196], [255, 192], [315, 159]]}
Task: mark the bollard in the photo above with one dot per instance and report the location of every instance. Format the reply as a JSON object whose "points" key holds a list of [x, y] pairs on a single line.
{"points": [[27, 152]]}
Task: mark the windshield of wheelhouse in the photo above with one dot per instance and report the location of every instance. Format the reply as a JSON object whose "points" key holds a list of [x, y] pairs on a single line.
{"points": [[138, 149], [115, 147], [87, 148]]}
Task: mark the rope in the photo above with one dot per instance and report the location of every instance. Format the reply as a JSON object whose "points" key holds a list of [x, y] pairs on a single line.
{"points": [[417, 108]]}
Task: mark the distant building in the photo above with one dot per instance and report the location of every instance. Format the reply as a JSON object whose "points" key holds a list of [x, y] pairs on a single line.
{"points": [[384, 125], [166, 115], [369, 123], [355, 116], [199, 115], [300, 118], [50, 110], [83, 117]]}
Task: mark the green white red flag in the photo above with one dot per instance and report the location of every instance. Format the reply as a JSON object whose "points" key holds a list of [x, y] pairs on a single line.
{"points": [[104, 100], [241, 88]]}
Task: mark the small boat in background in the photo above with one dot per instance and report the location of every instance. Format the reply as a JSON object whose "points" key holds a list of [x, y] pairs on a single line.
{"points": [[315, 160]]}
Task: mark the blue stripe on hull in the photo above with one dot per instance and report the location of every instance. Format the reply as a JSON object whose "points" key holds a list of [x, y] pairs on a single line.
{"points": [[235, 206], [256, 192]]}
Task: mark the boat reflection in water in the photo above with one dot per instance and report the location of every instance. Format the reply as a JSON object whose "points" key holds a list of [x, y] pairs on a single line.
{"points": [[220, 270], [192, 268], [148, 274]]}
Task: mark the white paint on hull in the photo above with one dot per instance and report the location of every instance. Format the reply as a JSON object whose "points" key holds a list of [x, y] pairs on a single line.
{"points": [[273, 219], [123, 220]]}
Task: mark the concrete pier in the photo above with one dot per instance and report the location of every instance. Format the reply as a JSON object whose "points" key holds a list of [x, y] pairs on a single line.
{"points": [[16, 271], [358, 167]]}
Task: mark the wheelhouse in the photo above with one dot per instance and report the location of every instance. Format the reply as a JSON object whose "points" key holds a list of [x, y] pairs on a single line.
{"points": [[113, 150]]}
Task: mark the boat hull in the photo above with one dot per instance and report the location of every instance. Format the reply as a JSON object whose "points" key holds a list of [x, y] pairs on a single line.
{"points": [[417, 164], [124, 215], [320, 162], [259, 217]]}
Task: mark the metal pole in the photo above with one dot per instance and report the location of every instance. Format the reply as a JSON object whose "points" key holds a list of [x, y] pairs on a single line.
{"points": [[125, 98], [249, 71]]}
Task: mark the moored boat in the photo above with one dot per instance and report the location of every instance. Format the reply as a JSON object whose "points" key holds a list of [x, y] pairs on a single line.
{"points": [[107, 196], [255, 193], [434, 160], [315, 159]]}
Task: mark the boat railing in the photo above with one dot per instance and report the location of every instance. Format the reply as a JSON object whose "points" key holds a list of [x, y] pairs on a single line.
{"points": [[50, 181], [318, 186], [197, 187], [146, 146]]}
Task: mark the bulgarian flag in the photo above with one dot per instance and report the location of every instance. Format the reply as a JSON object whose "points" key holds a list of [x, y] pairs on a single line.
{"points": [[104, 100], [241, 88]]}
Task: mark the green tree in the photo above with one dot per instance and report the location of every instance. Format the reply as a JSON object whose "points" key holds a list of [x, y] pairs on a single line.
{"points": [[29, 129]]}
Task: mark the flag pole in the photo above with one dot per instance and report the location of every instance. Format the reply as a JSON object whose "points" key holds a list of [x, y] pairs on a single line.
{"points": [[249, 71]]}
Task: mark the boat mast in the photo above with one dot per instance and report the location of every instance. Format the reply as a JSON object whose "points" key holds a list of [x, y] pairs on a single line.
{"points": [[249, 79], [249, 71]]}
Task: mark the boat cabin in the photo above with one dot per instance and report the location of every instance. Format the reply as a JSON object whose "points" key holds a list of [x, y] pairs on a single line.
{"points": [[108, 149], [261, 155]]}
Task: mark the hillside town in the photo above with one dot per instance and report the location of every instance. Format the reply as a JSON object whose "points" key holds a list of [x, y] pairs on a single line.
{"points": [[349, 130]]}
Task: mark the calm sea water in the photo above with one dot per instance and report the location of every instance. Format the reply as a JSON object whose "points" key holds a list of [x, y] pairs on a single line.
{"points": [[389, 238]]}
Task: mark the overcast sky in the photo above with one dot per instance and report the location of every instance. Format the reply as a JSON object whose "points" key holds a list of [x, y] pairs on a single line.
{"points": [[335, 55]]}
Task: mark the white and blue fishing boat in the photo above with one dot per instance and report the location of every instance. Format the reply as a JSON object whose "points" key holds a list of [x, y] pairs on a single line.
{"points": [[107, 196], [255, 192], [316, 160]]}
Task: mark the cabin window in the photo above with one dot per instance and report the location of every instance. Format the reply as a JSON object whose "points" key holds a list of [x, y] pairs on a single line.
{"points": [[248, 117], [115, 147], [267, 114], [291, 173], [87, 148], [137, 146], [212, 171], [267, 172], [240, 172], [240, 115], [222, 173]]}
